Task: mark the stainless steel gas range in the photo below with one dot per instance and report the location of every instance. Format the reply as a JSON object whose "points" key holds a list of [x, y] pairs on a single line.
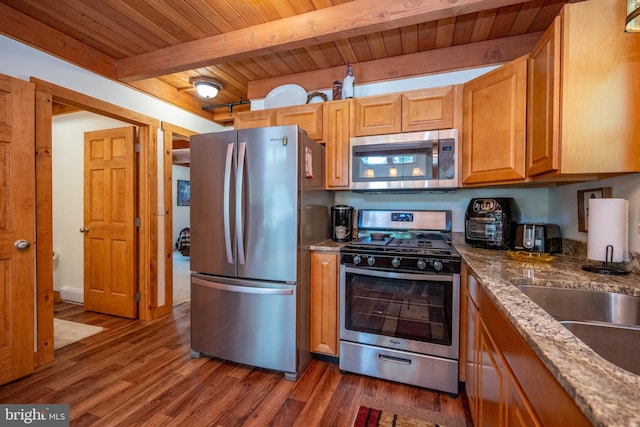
{"points": [[400, 299]]}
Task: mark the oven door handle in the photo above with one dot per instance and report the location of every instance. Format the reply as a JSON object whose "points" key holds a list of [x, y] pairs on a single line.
{"points": [[403, 276]]}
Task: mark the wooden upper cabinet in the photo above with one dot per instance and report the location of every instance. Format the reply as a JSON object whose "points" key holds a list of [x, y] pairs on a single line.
{"points": [[417, 110], [543, 99], [427, 109], [255, 119], [337, 131], [494, 123], [308, 117], [585, 91], [377, 115]]}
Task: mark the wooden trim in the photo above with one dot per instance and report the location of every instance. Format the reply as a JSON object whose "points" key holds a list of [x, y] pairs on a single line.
{"points": [[357, 18], [44, 228], [169, 130], [490, 52], [147, 173]]}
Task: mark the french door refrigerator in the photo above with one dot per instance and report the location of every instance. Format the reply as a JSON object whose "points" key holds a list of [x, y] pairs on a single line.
{"points": [[257, 203]]}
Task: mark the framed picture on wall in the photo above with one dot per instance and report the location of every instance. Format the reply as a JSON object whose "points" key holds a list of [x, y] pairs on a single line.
{"points": [[184, 193], [583, 204]]}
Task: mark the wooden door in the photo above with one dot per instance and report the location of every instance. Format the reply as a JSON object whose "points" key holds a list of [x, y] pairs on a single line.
{"points": [[17, 225], [109, 214], [254, 119]]}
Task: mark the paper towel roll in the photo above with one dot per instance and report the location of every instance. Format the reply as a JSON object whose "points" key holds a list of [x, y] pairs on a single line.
{"points": [[608, 224]]}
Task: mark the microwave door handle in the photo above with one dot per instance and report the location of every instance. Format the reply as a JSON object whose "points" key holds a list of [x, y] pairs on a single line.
{"points": [[434, 164], [226, 204], [242, 154]]}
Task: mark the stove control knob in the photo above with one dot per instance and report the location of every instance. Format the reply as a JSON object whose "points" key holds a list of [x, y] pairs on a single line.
{"points": [[437, 265], [395, 262], [371, 260], [422, 264], [357, 259]]}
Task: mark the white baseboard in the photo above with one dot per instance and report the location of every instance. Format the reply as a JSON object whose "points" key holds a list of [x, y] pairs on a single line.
{"points": [[72, 294]]}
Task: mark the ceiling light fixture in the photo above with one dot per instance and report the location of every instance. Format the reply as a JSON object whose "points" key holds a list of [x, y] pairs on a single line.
{"points": [[206, 87], [633, 16]]}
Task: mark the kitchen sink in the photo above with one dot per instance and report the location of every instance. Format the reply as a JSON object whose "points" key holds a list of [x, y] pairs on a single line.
{"points": [[609, 323], [586, 305], [620, 345]]}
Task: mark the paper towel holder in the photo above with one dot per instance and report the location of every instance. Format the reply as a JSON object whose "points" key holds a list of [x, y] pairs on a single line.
{"points": [[608, 225], [606, 267]]}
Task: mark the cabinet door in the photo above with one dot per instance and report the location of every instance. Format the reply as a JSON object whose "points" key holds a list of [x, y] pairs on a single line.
{"points": [[336, 138], [324, 303], [492, 396], [519, 411], [473, 367], [255, 119], [378, 115], [494, 125], [308, 117], [543, 103], [427, 109]]}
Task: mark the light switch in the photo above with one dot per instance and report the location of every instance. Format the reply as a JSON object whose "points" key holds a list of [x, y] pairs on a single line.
{"points": [[160, 210]]}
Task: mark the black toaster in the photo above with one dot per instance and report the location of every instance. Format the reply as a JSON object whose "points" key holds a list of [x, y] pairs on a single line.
{"points": [[538, 237]]}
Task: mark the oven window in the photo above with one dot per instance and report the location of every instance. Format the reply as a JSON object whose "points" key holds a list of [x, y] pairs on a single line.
{"points": [[409, 309]]}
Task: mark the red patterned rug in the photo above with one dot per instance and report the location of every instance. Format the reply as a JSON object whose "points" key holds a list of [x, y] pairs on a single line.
{"points": [[375, 413]]}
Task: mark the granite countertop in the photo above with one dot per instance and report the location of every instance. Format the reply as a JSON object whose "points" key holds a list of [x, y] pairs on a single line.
{"points": [[327, 246], [606, 394]]}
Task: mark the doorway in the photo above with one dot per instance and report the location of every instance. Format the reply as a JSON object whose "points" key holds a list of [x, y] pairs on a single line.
{"points": [[68, 192], [176, 168], [48, 95]]}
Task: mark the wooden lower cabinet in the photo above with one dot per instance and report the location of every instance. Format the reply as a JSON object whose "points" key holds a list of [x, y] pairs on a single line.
{"points": [[507, 385], [324, 333]]}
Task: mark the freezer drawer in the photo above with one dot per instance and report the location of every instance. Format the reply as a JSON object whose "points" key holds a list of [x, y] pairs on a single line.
{"points": [[245, 321]]}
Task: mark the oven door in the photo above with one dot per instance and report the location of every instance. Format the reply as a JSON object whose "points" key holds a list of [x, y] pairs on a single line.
{"points": [[403, 311]]}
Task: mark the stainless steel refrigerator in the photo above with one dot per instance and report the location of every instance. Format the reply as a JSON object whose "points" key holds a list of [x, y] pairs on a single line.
{"points": [[257, 203]]}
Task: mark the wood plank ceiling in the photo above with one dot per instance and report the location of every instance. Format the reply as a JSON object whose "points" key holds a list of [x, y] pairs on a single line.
{"points": [[253, 46]]}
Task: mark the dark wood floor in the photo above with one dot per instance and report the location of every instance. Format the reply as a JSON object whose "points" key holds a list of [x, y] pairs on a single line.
{"points": [[141, 373]]}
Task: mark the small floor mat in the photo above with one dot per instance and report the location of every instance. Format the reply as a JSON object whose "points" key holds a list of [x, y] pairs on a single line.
{"points": [[66, 332]]}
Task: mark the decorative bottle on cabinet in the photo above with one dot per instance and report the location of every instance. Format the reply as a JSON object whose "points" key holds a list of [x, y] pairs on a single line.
{"points": [[347, 83]]}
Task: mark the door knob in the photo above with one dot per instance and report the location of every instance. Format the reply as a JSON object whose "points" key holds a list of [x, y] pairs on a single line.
{"points": [[21, 244], [84, 229]]}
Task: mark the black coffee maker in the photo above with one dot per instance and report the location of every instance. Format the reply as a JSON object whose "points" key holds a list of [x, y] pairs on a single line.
{"points": [[341, 223]]}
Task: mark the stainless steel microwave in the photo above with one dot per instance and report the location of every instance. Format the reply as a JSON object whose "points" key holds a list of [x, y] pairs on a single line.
{"points": [[405, 161]]}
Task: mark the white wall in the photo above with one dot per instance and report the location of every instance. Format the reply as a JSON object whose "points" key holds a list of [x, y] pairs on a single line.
{"points": [[22, 62], [180, 213], [563, 206], [68, 194]]}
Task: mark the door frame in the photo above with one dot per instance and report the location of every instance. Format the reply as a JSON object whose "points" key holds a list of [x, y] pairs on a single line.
{"points": [[147, 201], [169, 131]]}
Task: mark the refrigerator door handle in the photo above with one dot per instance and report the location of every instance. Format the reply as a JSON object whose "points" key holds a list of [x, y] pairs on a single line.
{"points": [[242, 150], [241, 289], [226, 212]]}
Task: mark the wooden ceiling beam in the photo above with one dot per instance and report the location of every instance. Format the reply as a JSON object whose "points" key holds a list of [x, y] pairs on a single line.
{"points": [[329, 24], [490, 52]]}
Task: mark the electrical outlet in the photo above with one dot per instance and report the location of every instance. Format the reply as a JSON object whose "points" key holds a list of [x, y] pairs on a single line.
{"points": [[160, 210]]}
